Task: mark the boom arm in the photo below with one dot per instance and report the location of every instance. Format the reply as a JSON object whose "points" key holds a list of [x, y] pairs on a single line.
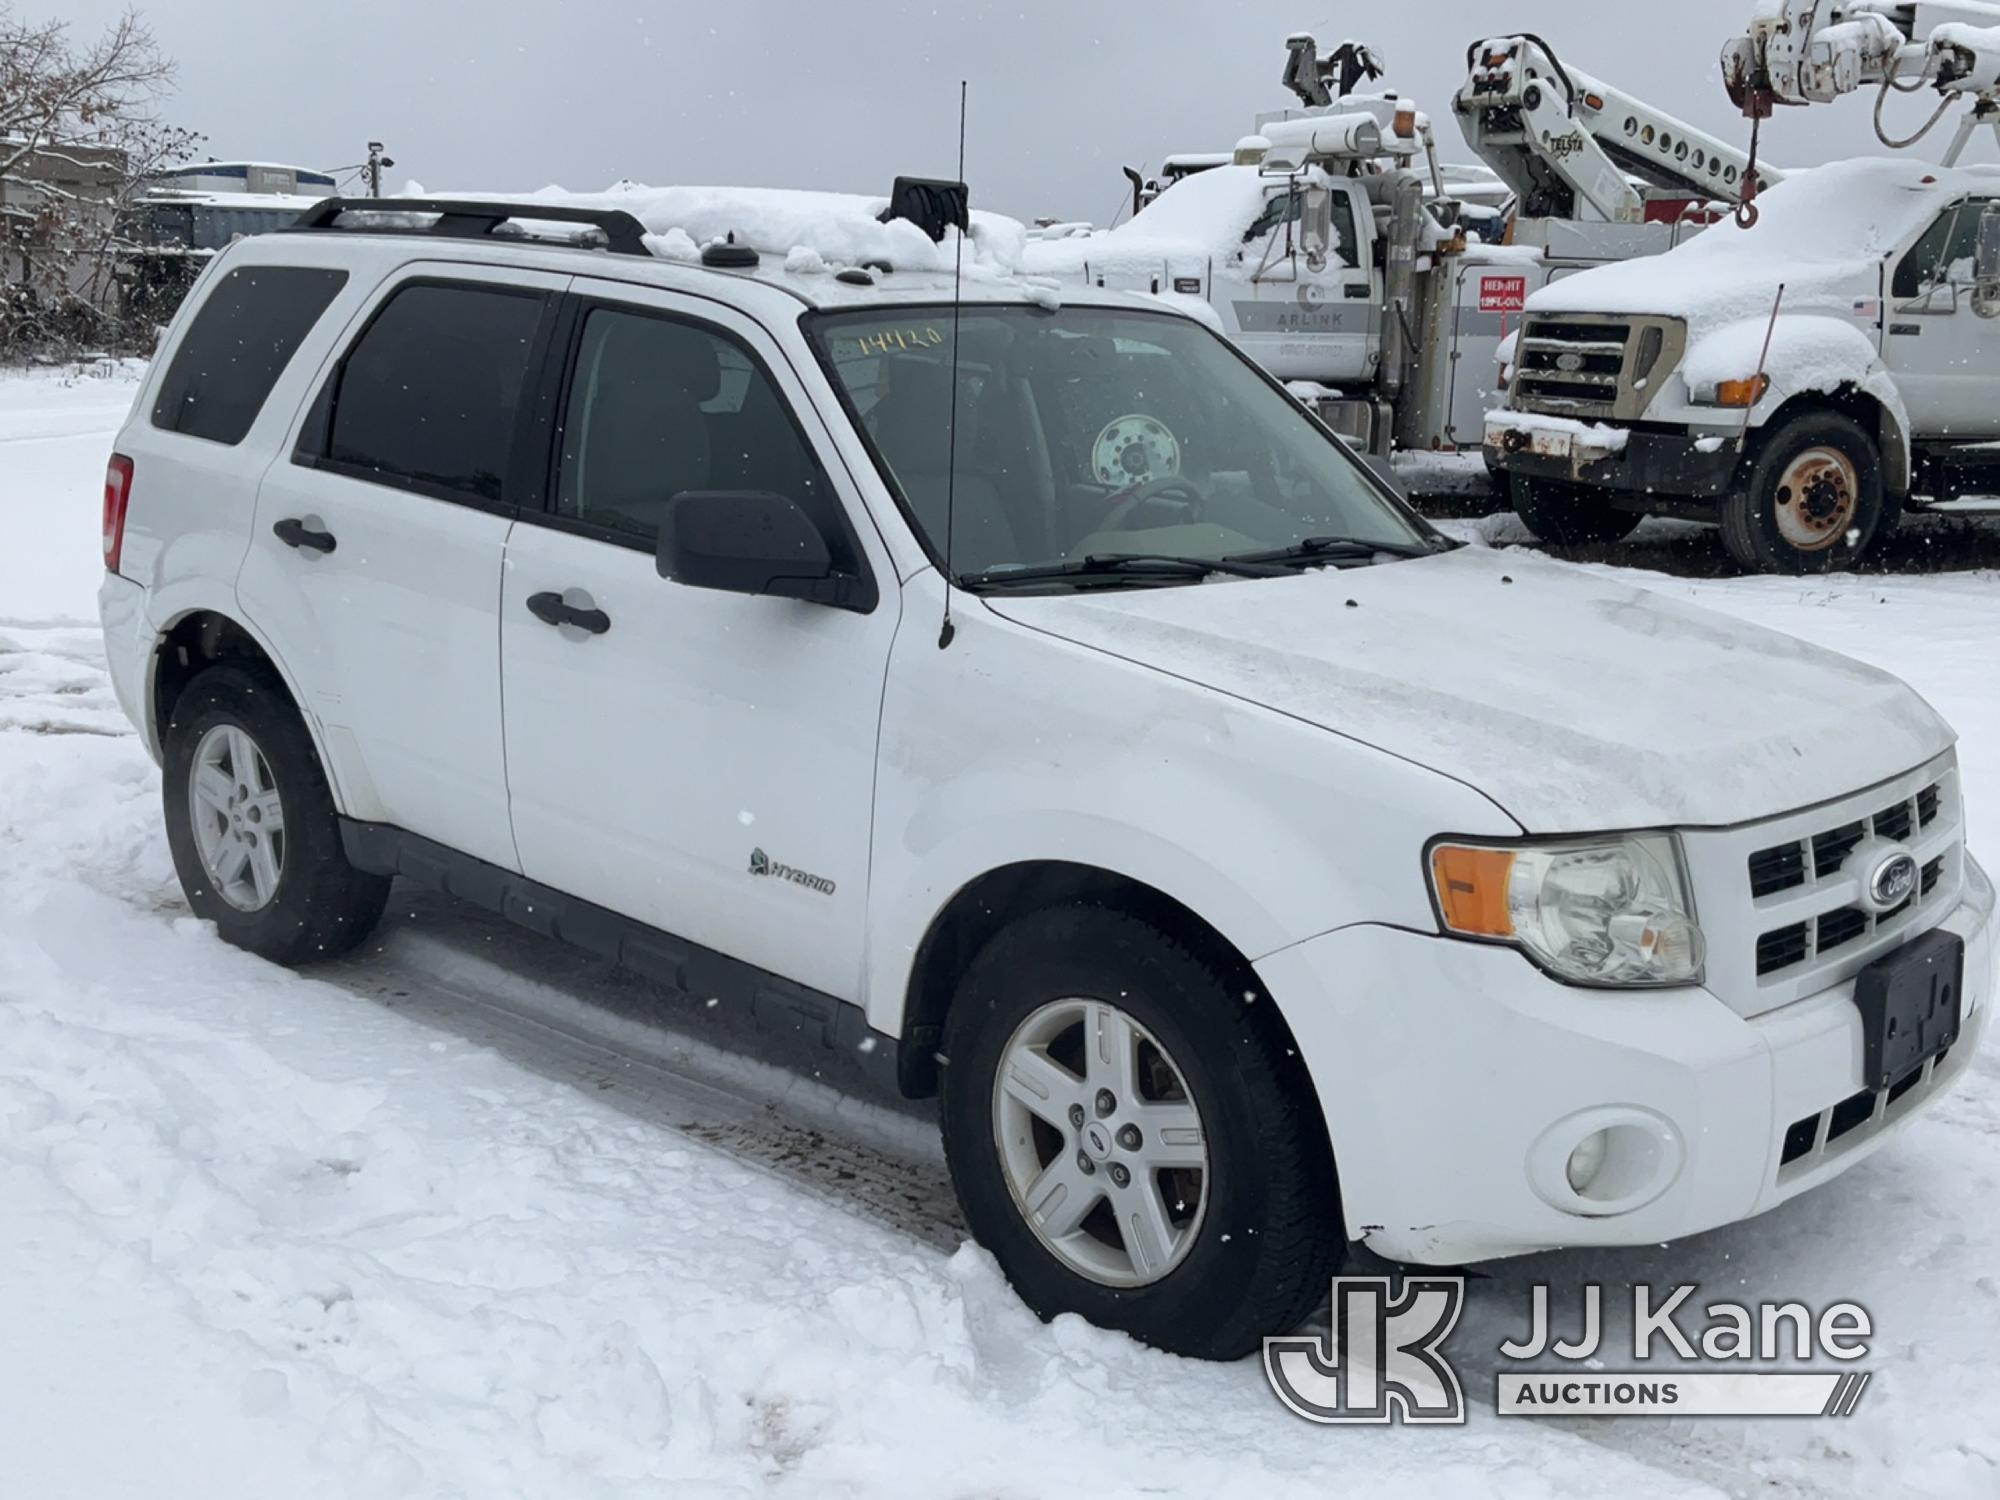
{"points": [[1568, 143], [1799, 52]]}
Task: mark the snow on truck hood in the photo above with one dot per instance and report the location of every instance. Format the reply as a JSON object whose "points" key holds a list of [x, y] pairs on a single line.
{"points": [[1821, 232], [1576, 703]]}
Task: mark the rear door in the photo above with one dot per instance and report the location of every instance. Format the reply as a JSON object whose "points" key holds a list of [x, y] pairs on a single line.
{"points": [[704, 762], [374, 567]]}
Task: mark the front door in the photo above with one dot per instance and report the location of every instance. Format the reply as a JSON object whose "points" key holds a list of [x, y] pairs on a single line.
{"points": [[1298, 322], [1943, 355], [703, 762], [374, 569]]}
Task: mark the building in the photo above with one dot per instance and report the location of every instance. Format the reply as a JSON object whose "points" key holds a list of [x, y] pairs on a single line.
{"points": [[57, 205]]}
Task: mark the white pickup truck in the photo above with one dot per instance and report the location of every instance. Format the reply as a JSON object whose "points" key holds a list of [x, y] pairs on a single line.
{"points": [[1798, 382]]}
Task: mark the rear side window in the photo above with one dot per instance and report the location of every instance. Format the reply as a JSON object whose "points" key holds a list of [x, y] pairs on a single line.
{"points": [[241, 339], [427, 396]]}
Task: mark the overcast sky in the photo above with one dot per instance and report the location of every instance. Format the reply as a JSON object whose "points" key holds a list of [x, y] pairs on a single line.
{"points": [[845, 94]]}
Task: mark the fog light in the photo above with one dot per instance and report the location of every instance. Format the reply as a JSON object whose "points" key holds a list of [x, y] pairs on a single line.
{"points": [[1587, 1160]]}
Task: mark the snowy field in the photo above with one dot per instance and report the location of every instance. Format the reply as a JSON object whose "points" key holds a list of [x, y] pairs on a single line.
{"points": [[462, 1217]]}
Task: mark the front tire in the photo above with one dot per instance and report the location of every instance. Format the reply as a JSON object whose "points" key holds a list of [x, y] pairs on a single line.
{"points": [[1569, 515], [1133, 1138], [1813, 502], [252, 826]]}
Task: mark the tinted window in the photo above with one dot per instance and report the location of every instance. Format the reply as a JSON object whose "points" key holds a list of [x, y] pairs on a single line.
{"points": [[657, 407], [427, 395], [241, 339]]}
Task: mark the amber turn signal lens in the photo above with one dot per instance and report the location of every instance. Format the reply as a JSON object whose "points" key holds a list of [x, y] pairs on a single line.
{"points": [[1742, 393], [1471, 886]]}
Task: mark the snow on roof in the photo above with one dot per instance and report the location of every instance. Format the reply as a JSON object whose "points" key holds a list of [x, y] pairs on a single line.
{"points": [[838, 229], [275, 202], [1201, 217], [1820, 232]]}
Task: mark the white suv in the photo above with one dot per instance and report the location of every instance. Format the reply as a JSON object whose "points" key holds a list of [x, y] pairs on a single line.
{"points": [[1250, 870]]}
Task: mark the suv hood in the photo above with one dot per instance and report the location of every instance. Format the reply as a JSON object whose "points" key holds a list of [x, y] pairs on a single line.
{"points": [[1575, 703]]}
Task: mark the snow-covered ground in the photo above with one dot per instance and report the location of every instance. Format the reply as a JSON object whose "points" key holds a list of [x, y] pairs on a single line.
{"points": [[464, 1216]]}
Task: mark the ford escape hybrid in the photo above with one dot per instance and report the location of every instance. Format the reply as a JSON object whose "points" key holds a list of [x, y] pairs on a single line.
{"points": [[1038, 703]]}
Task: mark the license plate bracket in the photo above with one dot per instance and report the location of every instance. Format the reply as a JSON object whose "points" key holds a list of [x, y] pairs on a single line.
{"points": [[1911, 1006]]}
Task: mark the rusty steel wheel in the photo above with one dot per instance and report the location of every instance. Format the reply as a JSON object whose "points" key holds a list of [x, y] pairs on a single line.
{"points": [[1812, 499], [1817, 497]]}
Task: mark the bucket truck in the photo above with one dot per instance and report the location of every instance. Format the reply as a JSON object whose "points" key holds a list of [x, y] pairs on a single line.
{"points": [[1804, 375], [1332, 246]]}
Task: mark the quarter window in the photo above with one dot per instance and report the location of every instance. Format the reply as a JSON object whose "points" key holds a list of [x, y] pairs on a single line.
{"points": [[245, 333], [658, 407], [428, 394]]}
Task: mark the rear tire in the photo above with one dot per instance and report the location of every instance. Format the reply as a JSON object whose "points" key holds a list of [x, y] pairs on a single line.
{"points": [[1569, 515], [252, 826], [1813, 500], [1251, 1237]]}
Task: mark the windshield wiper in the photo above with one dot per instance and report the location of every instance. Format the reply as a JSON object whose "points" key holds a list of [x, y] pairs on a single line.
{"points": [[1331, 549], [1136, 564]]}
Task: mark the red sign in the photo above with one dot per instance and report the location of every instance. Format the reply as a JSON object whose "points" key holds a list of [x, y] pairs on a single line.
{"points": [[1503, 294]]}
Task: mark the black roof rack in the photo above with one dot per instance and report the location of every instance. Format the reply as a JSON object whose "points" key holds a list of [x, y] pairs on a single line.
{"points": [[472, 219]]}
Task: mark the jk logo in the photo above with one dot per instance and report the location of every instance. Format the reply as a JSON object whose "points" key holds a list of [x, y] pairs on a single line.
{"points": [[1381, 1362]]}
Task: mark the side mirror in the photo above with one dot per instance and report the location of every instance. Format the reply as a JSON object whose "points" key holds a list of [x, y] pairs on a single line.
{"points": [[1316, 226], [1986, 264], [752, 542]]}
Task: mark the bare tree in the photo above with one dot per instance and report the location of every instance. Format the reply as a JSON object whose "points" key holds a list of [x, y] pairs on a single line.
{"points": [[78, 135]]}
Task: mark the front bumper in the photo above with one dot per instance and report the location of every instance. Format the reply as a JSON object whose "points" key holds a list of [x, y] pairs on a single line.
{"points": [[1649, 465], [1456, 1077]]}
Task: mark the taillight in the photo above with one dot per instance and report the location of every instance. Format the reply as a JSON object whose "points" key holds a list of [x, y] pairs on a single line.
{"points": [[117, 496]]}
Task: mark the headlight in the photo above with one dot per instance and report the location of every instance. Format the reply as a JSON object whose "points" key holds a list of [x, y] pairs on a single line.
{"points": [[1607, 911]]}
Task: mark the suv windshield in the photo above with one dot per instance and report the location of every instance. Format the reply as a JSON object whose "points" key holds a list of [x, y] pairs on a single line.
{"points": [[1097, 434]]}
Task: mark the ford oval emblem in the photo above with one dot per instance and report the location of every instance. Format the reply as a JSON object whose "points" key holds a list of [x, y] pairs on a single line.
{"points": [[1893, 881], [1569, 364]]}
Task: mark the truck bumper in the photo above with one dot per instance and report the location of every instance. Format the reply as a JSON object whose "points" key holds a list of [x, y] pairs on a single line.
{"points": [[1456, 1080], [1650, 466]]}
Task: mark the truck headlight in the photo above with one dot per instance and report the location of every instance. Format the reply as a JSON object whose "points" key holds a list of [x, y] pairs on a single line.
{"points": [[1612, 911]]}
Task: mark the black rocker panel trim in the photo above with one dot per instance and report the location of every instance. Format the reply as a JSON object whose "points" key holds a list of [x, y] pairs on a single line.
{"points": [[777, 1006]]}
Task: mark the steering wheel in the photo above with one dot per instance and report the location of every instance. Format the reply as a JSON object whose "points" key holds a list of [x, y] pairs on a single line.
{"points": [[1154, 492]]}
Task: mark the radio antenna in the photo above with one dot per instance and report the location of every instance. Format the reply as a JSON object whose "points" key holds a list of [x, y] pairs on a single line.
{"points": [[948, 630]]}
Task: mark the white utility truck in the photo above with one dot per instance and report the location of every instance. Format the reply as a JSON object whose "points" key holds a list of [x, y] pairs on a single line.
{"points": [[1801, 375], [1331, 246]]}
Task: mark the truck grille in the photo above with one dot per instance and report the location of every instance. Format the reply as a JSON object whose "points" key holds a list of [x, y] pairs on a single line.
{"points": [[1591, 366], [1782, 903]]}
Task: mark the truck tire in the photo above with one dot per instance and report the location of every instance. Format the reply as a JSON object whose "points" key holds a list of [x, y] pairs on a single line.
{"points": [[1812, 502], [1568, 515], [252, 826], [1156, 1118]]}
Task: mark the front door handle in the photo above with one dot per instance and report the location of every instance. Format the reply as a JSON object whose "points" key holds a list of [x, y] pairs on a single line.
{"points": [[550, 609], [295, 533]]}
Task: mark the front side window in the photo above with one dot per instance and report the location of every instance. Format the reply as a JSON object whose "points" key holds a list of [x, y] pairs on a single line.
{"points": [[427, 396], [1945, 254], [658, 407], [244, 334], [1094, 431]]}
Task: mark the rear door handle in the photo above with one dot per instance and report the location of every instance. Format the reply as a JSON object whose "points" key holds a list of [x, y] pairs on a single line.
{"points": [[295, 533], [551, 610]]}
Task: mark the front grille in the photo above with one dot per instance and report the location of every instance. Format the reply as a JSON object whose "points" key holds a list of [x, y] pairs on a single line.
{"points": [[1781, 901], [1830, 850], [1816, 859], [1780, 869], [1593, 366], [1839, 928], [1782, 948], [1572, 367]]}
